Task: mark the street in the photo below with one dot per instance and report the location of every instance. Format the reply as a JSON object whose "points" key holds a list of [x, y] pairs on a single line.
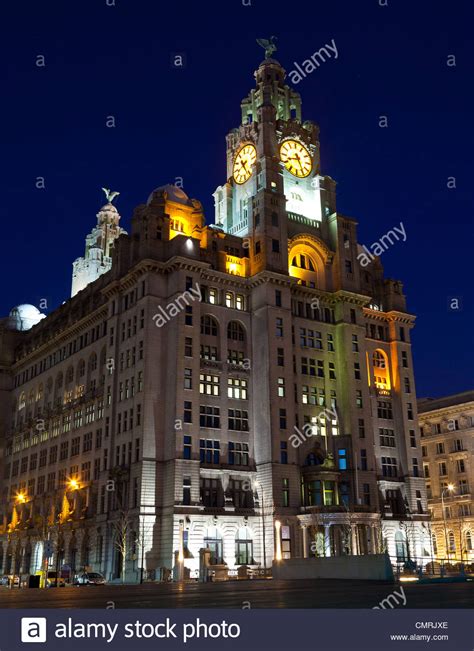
{"points": [[243, 594]]}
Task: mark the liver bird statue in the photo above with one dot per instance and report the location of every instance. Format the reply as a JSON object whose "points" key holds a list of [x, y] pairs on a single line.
{"points": [[109, 195], [268, 45]]}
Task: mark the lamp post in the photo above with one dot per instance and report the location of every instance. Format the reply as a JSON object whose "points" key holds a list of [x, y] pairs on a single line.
{"points": [[73, 485], [262, 508], [20, 498], [450, 489]]}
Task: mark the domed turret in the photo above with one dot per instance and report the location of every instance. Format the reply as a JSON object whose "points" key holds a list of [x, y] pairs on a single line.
{"points": [[23, 317]]}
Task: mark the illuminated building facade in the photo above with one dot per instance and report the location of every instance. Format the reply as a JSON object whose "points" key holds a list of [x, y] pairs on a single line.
{"points": [[245, 387], [447, 445]]}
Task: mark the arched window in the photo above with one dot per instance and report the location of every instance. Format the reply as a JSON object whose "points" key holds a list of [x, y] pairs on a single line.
{"points": [[381, 375], [22, 401], [81, 368], [235, 331], [229, 299], [39, 393], [303, 265], [209, 326], [401, 546], [69, 375], [103, 355], [451, 543], [93, 362], [244, 547], [213, 540], [468, 541], [303, 261]]}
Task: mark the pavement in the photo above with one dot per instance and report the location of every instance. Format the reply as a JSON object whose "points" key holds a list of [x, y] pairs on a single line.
{"points": [[257, 593]]}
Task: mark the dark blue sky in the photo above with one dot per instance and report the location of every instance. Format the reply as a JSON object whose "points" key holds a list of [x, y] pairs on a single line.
{"points": [[172, 123]]}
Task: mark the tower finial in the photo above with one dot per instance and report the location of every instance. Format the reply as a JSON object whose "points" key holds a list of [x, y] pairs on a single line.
{"points": [[109, 195], [268, 45]]}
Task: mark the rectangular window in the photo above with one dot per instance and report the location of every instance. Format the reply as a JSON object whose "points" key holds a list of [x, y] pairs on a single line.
{"points": [[355, 344], [188, 315], [281, 387], [412, 438], [235, 357], [366, 494], [439, 448], [409, 411], [87, 442], [387, 437], [188, 346], [384, 409], [359, 403], [209, 352], [332, 371], [188, 378], [209, 384], [188, 412], [356, 371], [285, 491], [209, 451], [363, 459], [389, 467], [280, 357], [75, 446], [186, 490], [187, 447], [460, 465], [283, 452], [342, 459], [279, 327], [361, 428], [404, 359], [238, 420], [442, 469], [330, 343], [282, 418], [209, 416], [237, 388], [416, 470], [278, 298], [238, 454]]}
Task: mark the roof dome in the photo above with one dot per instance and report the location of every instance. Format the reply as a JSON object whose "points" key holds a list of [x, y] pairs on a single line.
{"points": [[171, 193], [24, 317]]}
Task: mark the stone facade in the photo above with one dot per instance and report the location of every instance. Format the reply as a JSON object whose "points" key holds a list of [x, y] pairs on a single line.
{"points": [[245, 387], [447, 444]]}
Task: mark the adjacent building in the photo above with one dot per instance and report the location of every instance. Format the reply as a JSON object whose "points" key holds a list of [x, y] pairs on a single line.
{"points": [[245, 387], [447, 444]]}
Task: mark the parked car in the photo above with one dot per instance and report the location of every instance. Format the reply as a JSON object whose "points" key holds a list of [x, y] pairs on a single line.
{"points": [[90, 578]]}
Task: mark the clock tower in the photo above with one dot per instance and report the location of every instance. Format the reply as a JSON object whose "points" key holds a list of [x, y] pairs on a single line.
{"points": [[273, 162]]}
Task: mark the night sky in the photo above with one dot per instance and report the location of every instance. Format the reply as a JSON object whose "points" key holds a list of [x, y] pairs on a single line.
{"points": [[116, 61]]}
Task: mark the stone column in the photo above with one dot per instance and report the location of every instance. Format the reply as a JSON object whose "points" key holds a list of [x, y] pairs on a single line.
{"points": [[4, 559], [305, 541], [327, 540], [355, 549]]}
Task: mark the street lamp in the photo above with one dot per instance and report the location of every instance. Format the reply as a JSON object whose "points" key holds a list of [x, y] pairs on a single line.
{"points": [[262, 508], [73, 485], [450, 489]]}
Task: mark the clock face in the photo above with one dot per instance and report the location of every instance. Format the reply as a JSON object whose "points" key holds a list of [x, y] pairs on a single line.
{"points": [[243, 163], [296, 158]]}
